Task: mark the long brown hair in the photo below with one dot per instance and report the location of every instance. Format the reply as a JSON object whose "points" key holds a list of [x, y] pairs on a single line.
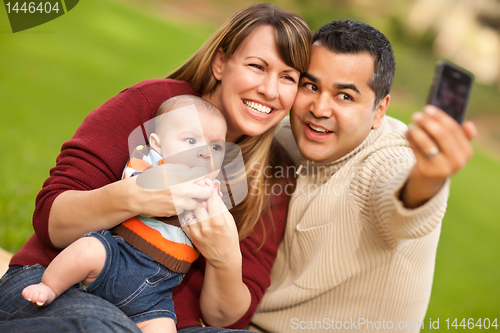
{"points": [[293, 39]]}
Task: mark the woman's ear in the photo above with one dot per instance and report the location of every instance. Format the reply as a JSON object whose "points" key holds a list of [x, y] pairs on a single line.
{"points": [[155, 143], [218, 64]]}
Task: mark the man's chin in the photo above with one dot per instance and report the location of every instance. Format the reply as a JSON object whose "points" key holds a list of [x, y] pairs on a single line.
{"points": [[312, 156]]}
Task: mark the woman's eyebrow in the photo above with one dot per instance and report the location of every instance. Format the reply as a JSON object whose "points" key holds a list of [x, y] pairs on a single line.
{"points": [[257, 57]]}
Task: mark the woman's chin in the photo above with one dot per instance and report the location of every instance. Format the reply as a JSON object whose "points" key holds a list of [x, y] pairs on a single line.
{"points": [[255, 128], [255, 131]]}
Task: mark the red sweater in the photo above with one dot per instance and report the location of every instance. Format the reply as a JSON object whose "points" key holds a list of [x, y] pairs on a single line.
{"points": [[95, 157]]}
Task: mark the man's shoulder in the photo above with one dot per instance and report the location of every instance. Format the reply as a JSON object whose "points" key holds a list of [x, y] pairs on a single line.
{"points": [[390, 146], [393, 126], [390, 134]]}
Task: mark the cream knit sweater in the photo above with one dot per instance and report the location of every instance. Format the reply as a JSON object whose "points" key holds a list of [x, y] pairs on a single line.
{"points": [[352, 257]]}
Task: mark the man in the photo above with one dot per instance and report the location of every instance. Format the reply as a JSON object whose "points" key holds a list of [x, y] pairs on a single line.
{"points": [[364, 221]]}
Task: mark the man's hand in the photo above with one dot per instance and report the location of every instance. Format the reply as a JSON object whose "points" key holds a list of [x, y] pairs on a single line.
{"points": [[441, 146]]}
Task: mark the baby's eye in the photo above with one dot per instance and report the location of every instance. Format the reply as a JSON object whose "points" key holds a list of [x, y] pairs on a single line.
{"points": [[216, 147], [191, 141]]}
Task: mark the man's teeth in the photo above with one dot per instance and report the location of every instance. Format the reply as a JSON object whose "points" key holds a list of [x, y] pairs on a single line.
{"points": [[258, 107], [318, 129]]}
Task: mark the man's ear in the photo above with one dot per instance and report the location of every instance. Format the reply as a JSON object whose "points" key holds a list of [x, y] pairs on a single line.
{"points": [[380, 111], [218, 64], [155, 143]]}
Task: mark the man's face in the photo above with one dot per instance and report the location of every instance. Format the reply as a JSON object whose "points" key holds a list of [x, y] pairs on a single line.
{"points": [[334, 109]]}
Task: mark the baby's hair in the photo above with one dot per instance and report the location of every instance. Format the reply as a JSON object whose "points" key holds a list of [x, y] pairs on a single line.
{"points": [[180, 101]]}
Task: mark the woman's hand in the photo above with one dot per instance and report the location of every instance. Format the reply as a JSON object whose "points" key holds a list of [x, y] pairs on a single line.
{"points": [[214, 232], [148, 193], [170, 189], [224, 297]]}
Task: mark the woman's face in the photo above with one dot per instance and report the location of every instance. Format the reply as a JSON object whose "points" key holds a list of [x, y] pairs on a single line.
{"points": [[256, 88]]}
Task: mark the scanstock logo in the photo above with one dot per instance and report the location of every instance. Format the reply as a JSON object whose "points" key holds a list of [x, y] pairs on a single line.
{"points": [[28, 14]]}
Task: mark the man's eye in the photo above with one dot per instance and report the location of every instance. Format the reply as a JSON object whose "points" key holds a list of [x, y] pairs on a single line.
{"points": [[345, 97], [310, 86], [191, 141]]}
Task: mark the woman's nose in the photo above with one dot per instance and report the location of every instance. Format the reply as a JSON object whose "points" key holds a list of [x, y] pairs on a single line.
{"points": [[269, 87]]}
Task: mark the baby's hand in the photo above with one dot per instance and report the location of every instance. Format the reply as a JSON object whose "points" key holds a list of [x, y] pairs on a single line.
{"points": [[206, 182]]}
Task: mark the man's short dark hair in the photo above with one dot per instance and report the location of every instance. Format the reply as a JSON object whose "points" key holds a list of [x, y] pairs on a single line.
{"points": [[356, 37]]}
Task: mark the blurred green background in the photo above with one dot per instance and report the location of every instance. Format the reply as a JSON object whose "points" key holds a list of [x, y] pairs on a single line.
{"points": [[53, 75]]}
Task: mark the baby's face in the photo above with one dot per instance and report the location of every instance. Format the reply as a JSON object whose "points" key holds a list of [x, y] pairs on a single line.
{"points": [[195, 139]]}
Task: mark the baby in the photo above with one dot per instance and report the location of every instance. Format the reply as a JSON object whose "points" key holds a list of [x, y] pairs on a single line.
{"points": [[136, 265]]}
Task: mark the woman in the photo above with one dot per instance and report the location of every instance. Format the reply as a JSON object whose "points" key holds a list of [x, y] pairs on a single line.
{"points": [[249, 69]]}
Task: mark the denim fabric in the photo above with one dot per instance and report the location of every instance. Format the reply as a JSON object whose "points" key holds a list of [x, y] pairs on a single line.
{"points": [[134, 282], [208, 329], [74, 311]]}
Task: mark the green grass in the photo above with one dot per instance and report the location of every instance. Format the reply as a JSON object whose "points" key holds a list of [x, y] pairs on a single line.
{"points": [[53, 75], [467, 270]]}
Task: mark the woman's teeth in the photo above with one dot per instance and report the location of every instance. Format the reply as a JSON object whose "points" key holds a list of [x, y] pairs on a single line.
{"points": [[258, 107]]}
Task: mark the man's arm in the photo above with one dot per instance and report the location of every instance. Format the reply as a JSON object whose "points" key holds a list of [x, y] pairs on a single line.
{"points": [[441, 147]]}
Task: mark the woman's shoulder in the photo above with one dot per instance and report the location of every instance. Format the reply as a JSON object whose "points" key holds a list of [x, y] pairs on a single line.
{"points": [[175, 87]]}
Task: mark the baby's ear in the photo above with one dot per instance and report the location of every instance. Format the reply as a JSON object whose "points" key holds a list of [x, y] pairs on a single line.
{"points": [[155, 143]]}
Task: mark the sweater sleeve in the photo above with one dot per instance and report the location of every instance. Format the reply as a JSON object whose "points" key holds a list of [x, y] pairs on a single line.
{"points": [[98, 151], [378, 185]]}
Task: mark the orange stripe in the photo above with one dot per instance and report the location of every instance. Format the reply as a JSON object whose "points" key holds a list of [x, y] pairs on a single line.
{"points": [[138, 164], [177, 250]]}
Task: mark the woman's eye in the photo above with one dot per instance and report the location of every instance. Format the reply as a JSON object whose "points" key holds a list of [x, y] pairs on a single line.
{"points": [[289, 78], [191, 141], [257, 66], [345, 97]]}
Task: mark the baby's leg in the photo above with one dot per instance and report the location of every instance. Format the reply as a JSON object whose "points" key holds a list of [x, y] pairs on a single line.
{"points": [[82, 261], [164, 325]]}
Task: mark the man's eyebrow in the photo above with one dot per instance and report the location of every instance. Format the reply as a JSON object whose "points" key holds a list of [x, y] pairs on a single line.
{"points": [[338, 86], [342, 86], [310, 77]]}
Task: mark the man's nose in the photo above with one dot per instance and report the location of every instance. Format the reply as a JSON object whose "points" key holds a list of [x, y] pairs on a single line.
{"points": [[322, 107]]}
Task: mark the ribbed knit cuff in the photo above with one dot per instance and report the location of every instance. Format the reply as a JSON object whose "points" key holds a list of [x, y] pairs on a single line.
{"points": [[410, 223]]}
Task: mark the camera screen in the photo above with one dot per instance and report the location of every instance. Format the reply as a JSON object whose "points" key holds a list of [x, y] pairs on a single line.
{"points": [[453, 92]]}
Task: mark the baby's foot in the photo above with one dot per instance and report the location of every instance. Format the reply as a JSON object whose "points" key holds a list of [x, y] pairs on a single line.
{"points": [[39, 294]]}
